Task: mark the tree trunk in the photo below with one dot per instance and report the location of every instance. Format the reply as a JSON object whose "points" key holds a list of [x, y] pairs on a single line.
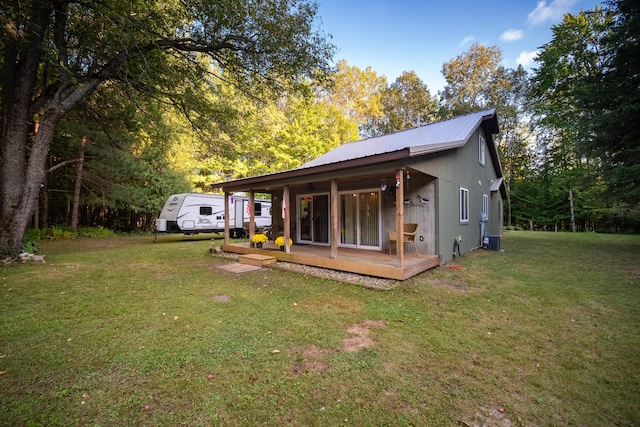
{"points": [[16, 213], [76, 190], [18, 206], [44, 205], [508, 185], [573, 217]]}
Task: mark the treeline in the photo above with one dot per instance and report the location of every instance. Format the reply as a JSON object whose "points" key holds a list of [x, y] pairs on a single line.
{"points": [[568, 143]]}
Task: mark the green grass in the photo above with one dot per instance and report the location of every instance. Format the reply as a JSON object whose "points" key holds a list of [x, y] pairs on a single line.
{"points": [[122, 331]]}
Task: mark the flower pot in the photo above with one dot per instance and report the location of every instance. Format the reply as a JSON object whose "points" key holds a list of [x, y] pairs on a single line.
{"points": [[282, 248], [259, 245]]}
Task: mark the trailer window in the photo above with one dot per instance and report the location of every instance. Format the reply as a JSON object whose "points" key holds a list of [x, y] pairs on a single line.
{"points": [[206, 210], [257, 209]]}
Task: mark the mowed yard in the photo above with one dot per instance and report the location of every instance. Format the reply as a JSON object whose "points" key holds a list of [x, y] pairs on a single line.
{"points": [[124, 331]]}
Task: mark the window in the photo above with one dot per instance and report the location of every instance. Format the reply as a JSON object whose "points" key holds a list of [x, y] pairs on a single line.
{"points": [[485, 207], [481, 149], [464, 205], [206, 210], [257, 210]]}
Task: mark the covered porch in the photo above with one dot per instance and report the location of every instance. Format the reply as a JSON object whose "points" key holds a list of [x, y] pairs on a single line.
{"points": [[359, 261], [340, 218]]}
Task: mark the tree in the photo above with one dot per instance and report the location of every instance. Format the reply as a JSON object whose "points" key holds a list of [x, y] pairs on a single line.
{"points": [[515, 140], [136, 154], [57, 52], [357, 93], [616, 101], [407, 103], [474, 80], [561, 90]]}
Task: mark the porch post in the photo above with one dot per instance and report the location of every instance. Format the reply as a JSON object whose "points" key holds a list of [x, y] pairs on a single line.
{"points": [[226, 218], [400, 217], [287, 215], [334, 219], [252, 217]]}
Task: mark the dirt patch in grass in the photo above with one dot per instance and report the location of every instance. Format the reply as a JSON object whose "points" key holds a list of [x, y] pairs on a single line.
{"points": [[459, 286], [361, 338], [314, 358], [221, 298], [485, 417]]}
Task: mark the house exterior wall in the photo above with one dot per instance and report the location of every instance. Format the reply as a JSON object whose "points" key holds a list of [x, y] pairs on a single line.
{"points": [[496, 218], [456, 169], [418, 211]]}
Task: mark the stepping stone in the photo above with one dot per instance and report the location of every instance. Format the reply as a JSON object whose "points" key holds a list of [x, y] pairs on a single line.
{"points": [[236, 267]]}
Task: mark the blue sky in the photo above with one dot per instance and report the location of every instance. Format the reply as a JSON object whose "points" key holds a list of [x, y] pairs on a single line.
{"points": [[420, 35]]}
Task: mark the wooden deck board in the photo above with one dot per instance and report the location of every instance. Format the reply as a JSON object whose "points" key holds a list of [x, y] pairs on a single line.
{"points": [[367, 262], [257, 259]]}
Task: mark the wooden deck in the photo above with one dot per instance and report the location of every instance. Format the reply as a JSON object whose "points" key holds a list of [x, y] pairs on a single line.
{"points": [[367, 262]]}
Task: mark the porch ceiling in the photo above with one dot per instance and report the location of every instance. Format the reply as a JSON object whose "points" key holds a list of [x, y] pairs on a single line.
{"points": [[347, 179], [297, 177]]}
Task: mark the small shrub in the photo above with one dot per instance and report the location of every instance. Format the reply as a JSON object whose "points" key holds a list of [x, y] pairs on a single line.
{"points": [[35, 234], [51, 233], [5, 252], [29, 246], [95, 232], [60, 233]]}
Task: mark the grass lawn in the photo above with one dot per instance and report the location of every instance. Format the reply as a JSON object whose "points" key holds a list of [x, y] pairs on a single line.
{"points": [[124, 331]]}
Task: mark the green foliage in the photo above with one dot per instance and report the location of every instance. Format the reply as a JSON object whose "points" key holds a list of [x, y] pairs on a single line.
{"points": [[65, 233], [94, 232], [58, 232], [475, 81], [358, 95], [29, 246], [616, 101], [582, 109], [407, 103], [56, 56], [266, 137]]}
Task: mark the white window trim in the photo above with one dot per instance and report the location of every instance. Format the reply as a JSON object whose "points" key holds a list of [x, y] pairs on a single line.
{"points": [[464, 205]]}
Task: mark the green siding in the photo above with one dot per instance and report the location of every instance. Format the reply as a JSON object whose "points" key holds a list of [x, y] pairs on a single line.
{"points": [[461, 168]]}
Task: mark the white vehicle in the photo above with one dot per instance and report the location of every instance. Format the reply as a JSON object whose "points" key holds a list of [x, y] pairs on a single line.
{"points": [[193, 213]]}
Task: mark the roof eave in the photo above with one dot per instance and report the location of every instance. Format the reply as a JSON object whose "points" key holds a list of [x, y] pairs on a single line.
{"points": [[435, 148], [274, 178]]}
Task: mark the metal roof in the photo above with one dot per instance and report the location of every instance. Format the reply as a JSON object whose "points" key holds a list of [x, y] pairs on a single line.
{"points": [[426, 139]]}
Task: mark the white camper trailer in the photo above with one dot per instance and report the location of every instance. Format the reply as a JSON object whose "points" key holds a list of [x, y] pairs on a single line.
{"points": [[193, 213]]}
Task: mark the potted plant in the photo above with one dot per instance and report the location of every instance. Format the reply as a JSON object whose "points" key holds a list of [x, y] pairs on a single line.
{"points": [[258, 239], [280, 242]]}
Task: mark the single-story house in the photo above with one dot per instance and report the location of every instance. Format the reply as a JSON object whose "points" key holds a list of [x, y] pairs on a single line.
{"points": [[341, 210]]}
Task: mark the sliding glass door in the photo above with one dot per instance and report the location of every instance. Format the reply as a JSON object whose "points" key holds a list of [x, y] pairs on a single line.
{"points": [[313, 218], [360, 219]]}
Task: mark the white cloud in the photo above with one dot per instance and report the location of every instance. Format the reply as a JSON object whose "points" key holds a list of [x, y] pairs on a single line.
{"points": [[552, 12], [466, 40], [525, 58], [511, 35]]}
